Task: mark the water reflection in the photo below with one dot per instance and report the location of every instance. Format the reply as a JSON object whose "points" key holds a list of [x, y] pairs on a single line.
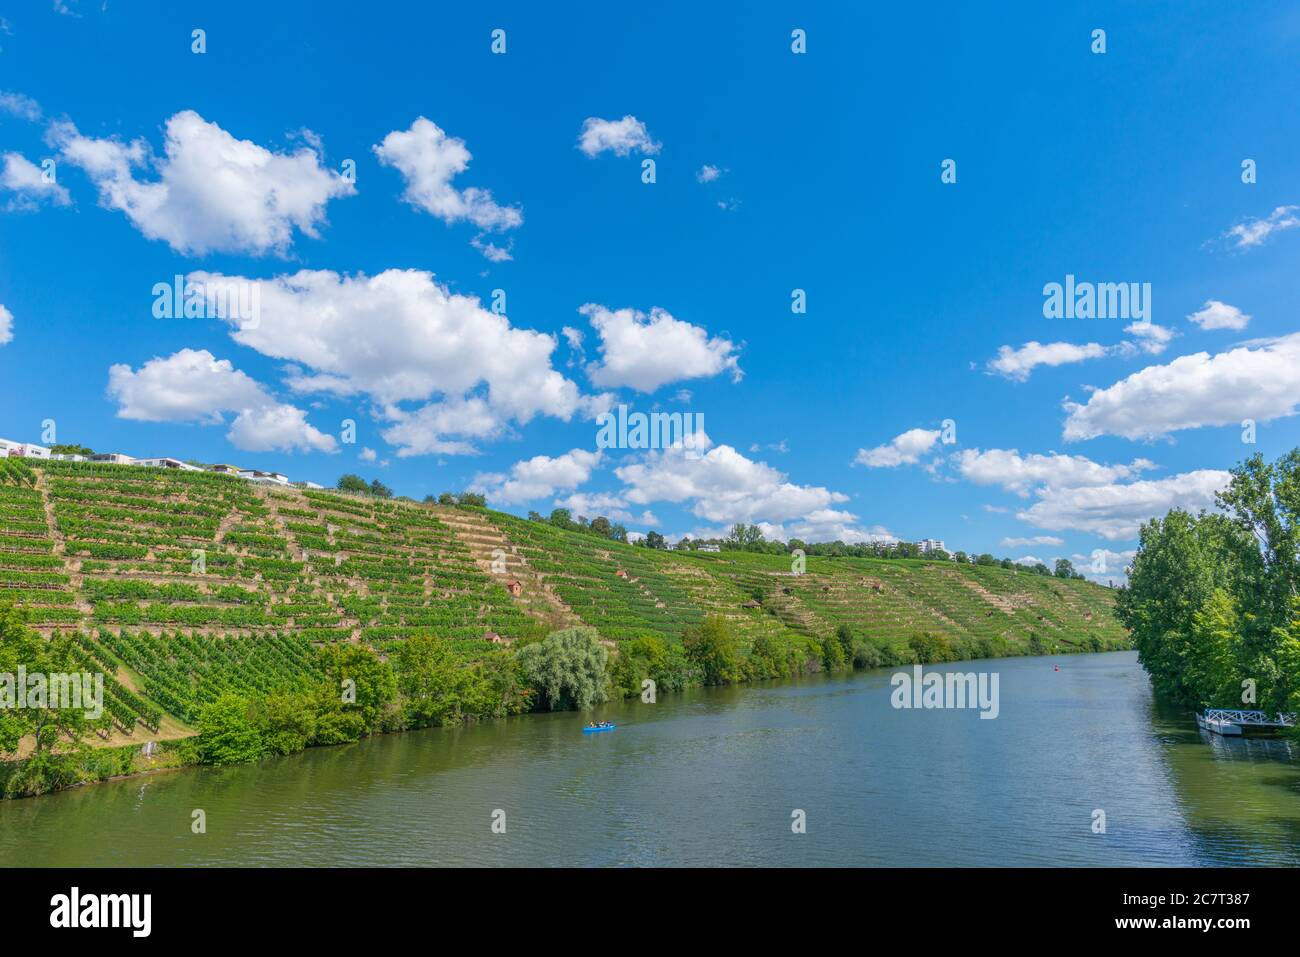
{"points": [[713, 776]]}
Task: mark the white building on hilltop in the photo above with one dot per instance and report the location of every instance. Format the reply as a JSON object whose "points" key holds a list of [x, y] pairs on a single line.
{"points": [[928, 545], [30, 450], [22, 450], [258, 475], [168, 463]]}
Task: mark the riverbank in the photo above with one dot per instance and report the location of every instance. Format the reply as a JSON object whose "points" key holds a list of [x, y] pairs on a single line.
{"points": [[712, 776], [100, 764]]}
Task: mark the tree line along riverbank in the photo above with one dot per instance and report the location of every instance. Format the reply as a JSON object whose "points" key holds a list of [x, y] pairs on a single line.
{"points": [[1213, 599]]}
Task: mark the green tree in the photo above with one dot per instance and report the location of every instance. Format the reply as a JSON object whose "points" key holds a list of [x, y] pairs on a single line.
{"points": [[744, 536], [1171, 579], [1210, 655], [832, 655], [648, 656], [771, 657], [352, 483], [286, 723], [228, 732], [654, 540], [358, 685], [568, 669], [844, 635], [711, 649], [930, 648], [1263, 501], [435, 686], [1288, 662], [1064, 568]]}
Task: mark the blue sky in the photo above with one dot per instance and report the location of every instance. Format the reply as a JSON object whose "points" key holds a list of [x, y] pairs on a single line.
{"points": [[1115, 167]]}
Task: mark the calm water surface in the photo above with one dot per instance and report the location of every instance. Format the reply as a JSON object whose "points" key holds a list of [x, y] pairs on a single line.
{"points": [[712, 777]]}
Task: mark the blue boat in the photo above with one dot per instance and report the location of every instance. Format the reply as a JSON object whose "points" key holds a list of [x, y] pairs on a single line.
{"points": [[599, 727]]}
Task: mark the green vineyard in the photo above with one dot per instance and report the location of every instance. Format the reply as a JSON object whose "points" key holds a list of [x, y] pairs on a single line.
{"points": [[184, 586]]}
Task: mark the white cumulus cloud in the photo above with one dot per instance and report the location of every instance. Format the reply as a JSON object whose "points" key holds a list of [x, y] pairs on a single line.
{"points": [[1219, 315], [1014, 472], [19, 105], [398, 337], [1033, 540], [644, 352], [721, 485], [28, 183], [1116, 512], [1259, 383], [539, 477], [1017, 364], [194, 386], [618, 136], [612, 506], [1149, 337], [905, 449], [429, 160], [823, 525], [213, 192], [1253, 232]]}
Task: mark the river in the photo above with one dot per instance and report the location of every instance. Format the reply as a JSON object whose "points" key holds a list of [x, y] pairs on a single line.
{"points": [[716, 776]]}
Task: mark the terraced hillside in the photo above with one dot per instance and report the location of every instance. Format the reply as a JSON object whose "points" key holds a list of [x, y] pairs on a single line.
{"points": [[185, 585], [988, 610]]}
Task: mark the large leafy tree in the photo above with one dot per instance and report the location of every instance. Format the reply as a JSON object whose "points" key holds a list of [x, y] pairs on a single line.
{"points": [[1263, 501], [1211, 599], [435, 686], [1172, 577], [352, 483], [358, 695], [711, 648], [744, 536], [567, 668]]}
